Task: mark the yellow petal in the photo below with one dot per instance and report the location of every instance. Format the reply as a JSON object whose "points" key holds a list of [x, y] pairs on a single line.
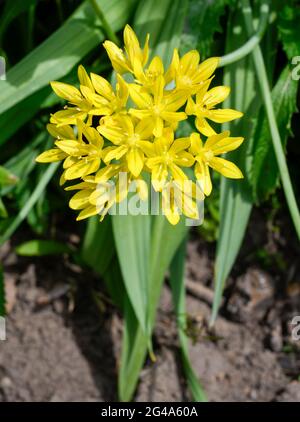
{"points": [[116, 57], [82, 168], [159, 176], [139, 97], [189, 62], [226, 145], [62, 132], [207, 68], [66, 91], [73, 148], [113, 134], [216, 95], [87, 212], [158, 127], [51, 156], [115, 153], [135, 160], [173, 116], [226, 168], [204, 127], [196, 143], [84, 78], [102, 86], [224, 115], [144, 128], [158, 89], [203, 177], [80, 200]]}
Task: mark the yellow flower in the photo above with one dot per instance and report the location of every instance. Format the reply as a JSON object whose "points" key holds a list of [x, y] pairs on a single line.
{"points": [[127, 139], [166, 156], [161, 106], [188, 74], [81, 156], [206, 155], [81, 106], [125, 62], [204, 108], [138, 132], [148, 76]]}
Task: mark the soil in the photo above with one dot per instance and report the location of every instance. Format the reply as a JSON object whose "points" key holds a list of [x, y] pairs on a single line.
{"points": [[63, 345]]}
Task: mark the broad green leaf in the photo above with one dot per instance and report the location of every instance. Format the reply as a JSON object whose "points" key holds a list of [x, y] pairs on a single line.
{"points": [[59, 53], [165, 239], [98, 247], [132, 239], [43, 248], [178, 293], [98, 252], [205, 15], [265, 168]]}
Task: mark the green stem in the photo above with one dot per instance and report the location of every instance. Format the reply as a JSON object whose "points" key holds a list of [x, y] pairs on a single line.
{"points": [[249, 46], [262, 77], [107, 28], [30, 203]]}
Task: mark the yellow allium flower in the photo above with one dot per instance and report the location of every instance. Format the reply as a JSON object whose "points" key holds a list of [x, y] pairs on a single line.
{"points": [[206, 155], [105, 132], [166, 157], [204, 108], [122, 61], [179, 198], [127, 138], [162, 106], [188, 74]]}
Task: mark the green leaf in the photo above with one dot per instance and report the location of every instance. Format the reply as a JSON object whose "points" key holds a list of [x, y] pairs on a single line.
{"points": [[165, 35], [6, 177], [265, 168], [203, 21], [132, 239], [165, 240], [98, 238], [178, 294], [32, 200], [3, 211], [56, 56], [236, 196], [288, 26], [43, 248]]}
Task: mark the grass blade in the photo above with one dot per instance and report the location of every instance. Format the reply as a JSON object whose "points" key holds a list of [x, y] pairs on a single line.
{"points": [[178, 294]]}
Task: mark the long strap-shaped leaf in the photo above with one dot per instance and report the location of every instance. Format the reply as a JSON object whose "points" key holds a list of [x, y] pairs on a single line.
{"points": [[236, 196], [178, 294], [164, 21]]}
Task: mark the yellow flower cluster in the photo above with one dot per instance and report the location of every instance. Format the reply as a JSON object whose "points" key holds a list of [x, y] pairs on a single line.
{"points": [[106, 131]]}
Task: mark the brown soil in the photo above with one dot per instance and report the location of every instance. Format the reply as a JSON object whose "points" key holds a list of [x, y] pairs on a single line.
{"points": [[63, 345]]}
